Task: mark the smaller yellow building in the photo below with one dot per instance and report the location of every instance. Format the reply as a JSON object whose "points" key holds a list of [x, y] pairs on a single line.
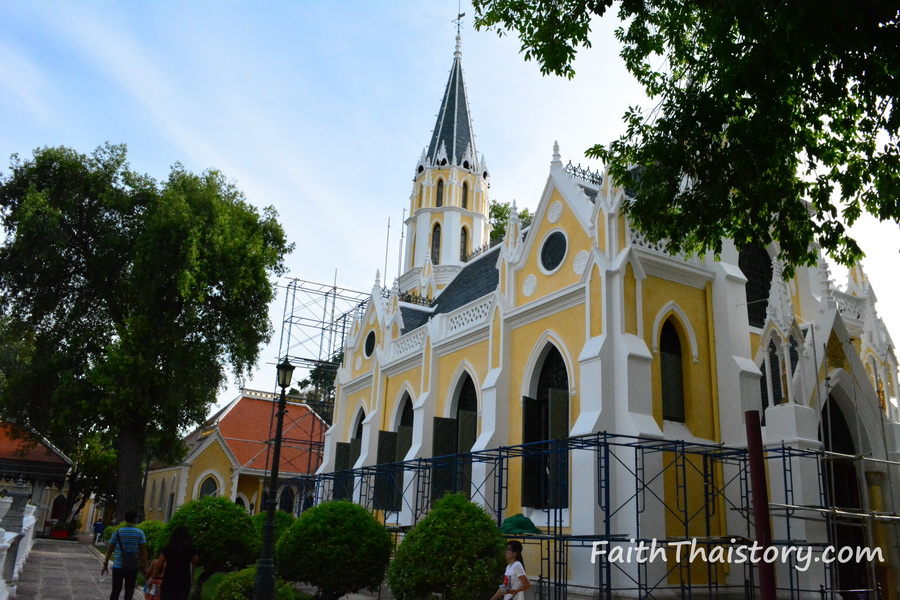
{"points": [[229, 454]]}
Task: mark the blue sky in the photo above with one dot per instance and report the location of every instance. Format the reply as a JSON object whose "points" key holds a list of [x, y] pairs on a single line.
{"points": [[320, 109]]}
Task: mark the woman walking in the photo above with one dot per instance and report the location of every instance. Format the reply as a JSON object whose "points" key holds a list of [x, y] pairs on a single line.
{"points": [[515, 581], [176, 561]]}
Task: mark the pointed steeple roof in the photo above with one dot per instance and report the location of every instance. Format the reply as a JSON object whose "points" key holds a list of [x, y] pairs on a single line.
{"points": [[453, 130]]}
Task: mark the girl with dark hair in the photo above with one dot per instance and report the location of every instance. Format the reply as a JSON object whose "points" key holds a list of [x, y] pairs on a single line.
{"points": [[176, 560], [515, 581]]}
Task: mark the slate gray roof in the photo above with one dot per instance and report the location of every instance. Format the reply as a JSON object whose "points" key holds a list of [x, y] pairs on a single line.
{"points": [[413, 318], [478, 278], [453, 129]]}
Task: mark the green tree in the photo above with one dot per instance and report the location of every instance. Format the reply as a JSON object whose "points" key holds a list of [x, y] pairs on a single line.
{"points": [[338, 547], [498, 214], [221, 531], [456, 550], [135, 295], [775, 121], [283, 522]]}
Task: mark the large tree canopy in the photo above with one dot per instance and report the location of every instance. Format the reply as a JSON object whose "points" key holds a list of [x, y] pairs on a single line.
{"points": [[132, 295], [775, 120]]}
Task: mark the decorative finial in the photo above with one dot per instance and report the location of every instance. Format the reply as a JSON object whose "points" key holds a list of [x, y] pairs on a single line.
{"points": [[378, 278], [557, 159], [458, 52]]}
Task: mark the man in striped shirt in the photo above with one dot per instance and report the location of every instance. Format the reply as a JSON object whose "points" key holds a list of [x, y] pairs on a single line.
{"points": [[130, 548]]}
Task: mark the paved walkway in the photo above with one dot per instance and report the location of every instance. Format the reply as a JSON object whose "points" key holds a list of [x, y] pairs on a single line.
{"points": [[63, 570]]}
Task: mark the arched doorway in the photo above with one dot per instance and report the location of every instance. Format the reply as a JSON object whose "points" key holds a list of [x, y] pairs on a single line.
{"points": [[545, 417], [842, 491], [454, 436]]}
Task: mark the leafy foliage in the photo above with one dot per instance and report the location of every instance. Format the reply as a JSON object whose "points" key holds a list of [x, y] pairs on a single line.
{"points": [[456, 550], [283, 521], [239, 586], [221, 531], [338, 547], [130, 296], [153, 531], [499, 213], [776, 121]]}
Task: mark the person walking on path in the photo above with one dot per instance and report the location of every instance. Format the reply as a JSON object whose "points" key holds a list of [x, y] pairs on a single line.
{"points": [[515, 581], [176, 560], [130, 547], [99, 526]]}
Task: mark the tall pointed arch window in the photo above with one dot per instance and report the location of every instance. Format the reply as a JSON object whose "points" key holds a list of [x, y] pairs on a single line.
{"points": [[545, 418], [452, 437], [419, 197], [757, 268], [345, 456], [209, 487], [671, 373], [770, 388], [465, 195], [286, 500], [393, 447], [463, 243], [439, 199], [436, 244]]}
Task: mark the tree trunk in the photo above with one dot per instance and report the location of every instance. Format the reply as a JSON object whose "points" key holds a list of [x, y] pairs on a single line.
{"points": [[201, 579], [129, 479]]}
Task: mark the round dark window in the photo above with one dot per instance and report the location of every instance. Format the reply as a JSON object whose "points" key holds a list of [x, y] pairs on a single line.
{"points": [[554, 251], [370, 343]]}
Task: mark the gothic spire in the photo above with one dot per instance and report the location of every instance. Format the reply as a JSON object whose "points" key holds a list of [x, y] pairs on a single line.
{"points": [[452, 137]]}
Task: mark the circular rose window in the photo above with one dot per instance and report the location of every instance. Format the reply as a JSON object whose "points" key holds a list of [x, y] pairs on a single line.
{"points": [[553, 251]]}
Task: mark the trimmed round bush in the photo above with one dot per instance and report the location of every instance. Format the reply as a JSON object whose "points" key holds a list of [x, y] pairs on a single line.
{"points": [[456, 550], [152, 531], [283, 521], [222, 533], [338, 547], [239, 586]]}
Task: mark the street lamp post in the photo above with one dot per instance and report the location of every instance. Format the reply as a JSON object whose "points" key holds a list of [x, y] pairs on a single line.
{"points": [[264, 588]]}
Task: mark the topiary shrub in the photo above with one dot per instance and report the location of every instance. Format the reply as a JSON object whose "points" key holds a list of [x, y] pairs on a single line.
{"points": [[283, 521], [152, 531], [222, 533], [107, 533], [338, 547], [239, 586], [456, 550]]}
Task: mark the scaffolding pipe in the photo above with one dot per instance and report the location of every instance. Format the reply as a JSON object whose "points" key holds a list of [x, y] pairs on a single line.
{"points": [[760, 495]]}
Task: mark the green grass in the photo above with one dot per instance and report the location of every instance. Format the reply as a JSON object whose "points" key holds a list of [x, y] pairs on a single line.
{"points": [[211, 585]]}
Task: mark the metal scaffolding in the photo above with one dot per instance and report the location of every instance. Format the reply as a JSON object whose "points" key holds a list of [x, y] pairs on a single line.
{"points": [[707, 500]]}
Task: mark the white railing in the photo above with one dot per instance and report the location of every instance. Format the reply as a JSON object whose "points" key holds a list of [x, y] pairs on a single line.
{"points": [[468, 315], [408, 343], [850, 306]]}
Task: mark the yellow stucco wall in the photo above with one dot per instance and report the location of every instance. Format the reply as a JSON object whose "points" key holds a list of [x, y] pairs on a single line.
{"points": [[212, 457]]}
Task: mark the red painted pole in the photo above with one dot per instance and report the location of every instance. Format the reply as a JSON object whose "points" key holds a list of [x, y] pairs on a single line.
{"points": [[759, 492]]}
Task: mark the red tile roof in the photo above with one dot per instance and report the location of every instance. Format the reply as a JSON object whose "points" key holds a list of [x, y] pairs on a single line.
{"points": [[249, 421], [19, 444]]}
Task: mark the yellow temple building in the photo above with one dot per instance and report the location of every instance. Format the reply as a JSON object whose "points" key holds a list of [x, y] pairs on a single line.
{"points": [[579, 374]]}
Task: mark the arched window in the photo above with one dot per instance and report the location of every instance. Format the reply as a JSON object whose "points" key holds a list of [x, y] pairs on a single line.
{"points": [[453, 436], [419, 199], [392, 448], [463, 243], [439, 199], [58, 508], [436, 245], [757, 268], [161, 502], [286, 501], [545, 481], [671, 373], [209, 487], [465, 195], [770, 388], [240, 502]]}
